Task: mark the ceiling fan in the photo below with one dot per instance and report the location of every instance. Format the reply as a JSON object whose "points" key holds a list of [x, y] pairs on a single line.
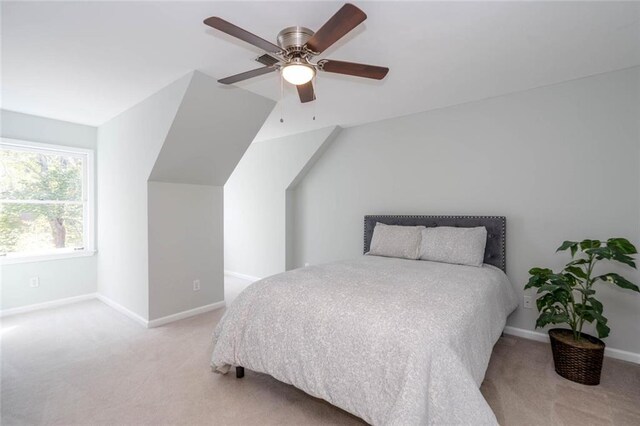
{"points": [[296, 48]]}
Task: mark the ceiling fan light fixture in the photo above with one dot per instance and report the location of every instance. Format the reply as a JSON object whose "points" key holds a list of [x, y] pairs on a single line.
{"points": [[297, 73]]}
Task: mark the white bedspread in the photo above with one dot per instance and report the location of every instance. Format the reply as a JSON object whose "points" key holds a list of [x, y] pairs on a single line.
{"points": [[393, 341]]}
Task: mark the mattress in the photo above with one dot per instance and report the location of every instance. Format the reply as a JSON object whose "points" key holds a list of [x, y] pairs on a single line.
{"points": [[393, 341]]}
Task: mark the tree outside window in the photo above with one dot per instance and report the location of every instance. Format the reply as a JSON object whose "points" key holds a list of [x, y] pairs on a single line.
{"points": [[43, 200]]}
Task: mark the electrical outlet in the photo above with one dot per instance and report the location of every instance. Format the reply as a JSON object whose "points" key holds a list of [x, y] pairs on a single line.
{"points": [[196, 285], [528, 302], [34, 282]]}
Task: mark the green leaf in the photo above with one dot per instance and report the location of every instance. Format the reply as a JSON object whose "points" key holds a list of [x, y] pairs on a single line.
{"points": [[540, 271], [623, 258], [547, 301], [576, 271], [563, 297], [541, 322], [543, 319], [568, 245], [587, 244], [578, 262], [539, 276], [548, 287], [559, 318], [551, 318], [598, 316], [595, 305], [602, 329], [600, 252], [611, 254], [584, 312], [622, 244], [535, 281], [620, 281], [566, 281], [586, 292]]}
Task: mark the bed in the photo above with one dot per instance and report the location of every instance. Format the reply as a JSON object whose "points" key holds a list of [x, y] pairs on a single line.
{"points": [[392, 341]]}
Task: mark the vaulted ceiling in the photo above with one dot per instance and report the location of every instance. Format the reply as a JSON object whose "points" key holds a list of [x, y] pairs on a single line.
{"points": [[86, 62]]}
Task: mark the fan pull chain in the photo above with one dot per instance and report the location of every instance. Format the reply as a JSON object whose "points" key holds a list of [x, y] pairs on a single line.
{"points": [[281, 96], [315, 90]]}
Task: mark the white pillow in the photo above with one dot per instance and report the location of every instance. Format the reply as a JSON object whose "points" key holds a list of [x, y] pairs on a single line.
{"points": [[462, 246], [396, 241]]}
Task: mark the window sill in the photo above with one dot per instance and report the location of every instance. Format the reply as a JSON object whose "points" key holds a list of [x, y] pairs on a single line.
{"points": [[44, 257]]}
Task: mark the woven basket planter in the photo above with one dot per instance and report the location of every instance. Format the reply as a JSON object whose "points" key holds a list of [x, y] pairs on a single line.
{"points": [[575, 362]]}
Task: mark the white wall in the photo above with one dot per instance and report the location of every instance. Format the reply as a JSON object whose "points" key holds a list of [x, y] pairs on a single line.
{"points": [[128, 146], [560, 162], [55, 280], [58, 279], [185, 244], [255, 200]]}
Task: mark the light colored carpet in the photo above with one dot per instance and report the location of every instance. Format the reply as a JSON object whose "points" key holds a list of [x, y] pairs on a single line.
{"points": [[87, 364]]}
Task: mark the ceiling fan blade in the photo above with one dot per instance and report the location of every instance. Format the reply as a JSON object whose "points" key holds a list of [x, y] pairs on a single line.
{"points": [[306, 92], [246, 75], [233, 30], [351, 68], [267, 60], [345, 19]]}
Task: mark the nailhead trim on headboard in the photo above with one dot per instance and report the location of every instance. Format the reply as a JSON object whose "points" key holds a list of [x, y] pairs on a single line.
{"points": [[494, 256]]}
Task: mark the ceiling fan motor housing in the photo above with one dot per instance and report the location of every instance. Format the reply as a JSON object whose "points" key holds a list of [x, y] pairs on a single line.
{"points": [[293, 39]]}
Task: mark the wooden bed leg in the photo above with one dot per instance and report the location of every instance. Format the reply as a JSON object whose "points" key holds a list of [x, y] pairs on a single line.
{"points": [[239, 372]]}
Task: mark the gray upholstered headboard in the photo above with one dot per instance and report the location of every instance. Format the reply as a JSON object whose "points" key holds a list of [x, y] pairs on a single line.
{"points": [[494, 253]]}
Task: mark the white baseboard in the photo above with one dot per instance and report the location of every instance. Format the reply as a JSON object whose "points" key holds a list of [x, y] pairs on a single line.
{"points": [[118, 307], [115, 305], [46, 305], [185, 314], [543, 337], [241, 276], [527, 334]]}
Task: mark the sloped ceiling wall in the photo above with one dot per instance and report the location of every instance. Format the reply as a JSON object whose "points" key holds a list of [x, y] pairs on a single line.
{"points": [[127, 148], [193, 132], [256, 221], [211, 131]]}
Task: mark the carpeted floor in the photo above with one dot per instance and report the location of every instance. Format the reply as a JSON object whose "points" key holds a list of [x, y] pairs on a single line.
{"points": [[87, 364]]}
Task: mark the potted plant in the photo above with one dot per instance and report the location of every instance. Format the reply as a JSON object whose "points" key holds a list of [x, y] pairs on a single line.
{"points": [[568, 297]]}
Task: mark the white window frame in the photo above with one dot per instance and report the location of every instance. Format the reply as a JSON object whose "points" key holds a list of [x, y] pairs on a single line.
{"points": [[88, 200]]}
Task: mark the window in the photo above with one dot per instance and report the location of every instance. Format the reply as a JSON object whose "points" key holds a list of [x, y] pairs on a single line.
{"points": [[46, 196]]}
